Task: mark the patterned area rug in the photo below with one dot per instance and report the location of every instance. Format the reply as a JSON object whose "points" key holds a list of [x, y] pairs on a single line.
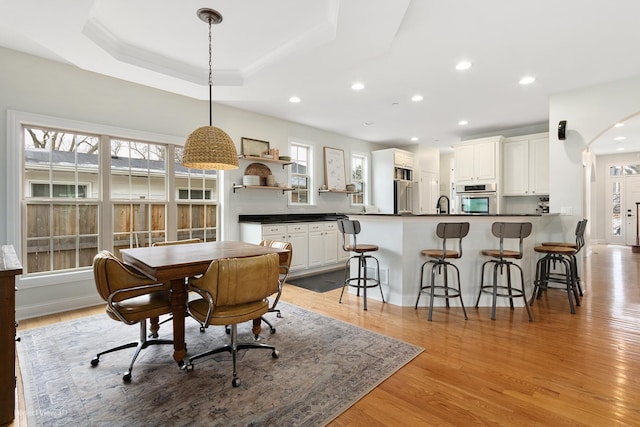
{"points": [[325, 366]]}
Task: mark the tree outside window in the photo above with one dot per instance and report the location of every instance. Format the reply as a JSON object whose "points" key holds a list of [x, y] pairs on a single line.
{"points": [[358, 178]]}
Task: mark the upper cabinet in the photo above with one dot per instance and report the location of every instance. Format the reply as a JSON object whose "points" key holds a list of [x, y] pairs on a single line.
{"points": [[526, 165], [478, 161]]}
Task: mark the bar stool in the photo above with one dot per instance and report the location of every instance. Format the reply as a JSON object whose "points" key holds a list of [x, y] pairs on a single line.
{"points": [[352, 228], [501, 260], [452, 230], [579, 243]]}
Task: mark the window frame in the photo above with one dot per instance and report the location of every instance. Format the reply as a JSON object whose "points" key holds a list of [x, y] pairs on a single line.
{"points": [[310, 147], [364, 181]]}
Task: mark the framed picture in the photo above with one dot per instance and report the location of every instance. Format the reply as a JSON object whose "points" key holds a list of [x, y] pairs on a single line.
{"points": [[254, 147], [334, 170]]}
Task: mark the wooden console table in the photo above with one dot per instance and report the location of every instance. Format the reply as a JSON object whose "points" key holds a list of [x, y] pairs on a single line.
{"points": [[9, 268]]}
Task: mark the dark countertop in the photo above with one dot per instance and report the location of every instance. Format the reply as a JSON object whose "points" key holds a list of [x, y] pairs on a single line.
{"points": [[288, 218]]}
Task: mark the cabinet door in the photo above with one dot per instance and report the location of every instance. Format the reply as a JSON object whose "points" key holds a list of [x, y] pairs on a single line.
{"points": [[298, 236], [539, 166], [464, 163], [485, 161], [330, 243], [316, 244], [516, 168]]}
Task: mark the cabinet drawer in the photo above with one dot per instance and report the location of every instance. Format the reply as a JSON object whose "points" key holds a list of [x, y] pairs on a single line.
{"points": [[297, 228], [330, 226], [316, 226], [271, 229]]}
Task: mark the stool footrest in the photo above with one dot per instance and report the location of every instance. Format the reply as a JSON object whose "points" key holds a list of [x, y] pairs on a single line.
{"points": [[515, 292], [368, 282], [449, 292]]}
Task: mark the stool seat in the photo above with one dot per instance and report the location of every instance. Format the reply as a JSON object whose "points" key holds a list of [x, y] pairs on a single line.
{"points": [[437, 253], [362, 248], [496, 253], [560, 250], [564, 244]]}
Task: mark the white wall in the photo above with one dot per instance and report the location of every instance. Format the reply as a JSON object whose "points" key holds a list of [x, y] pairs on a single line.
{"points": [[33, 85]]}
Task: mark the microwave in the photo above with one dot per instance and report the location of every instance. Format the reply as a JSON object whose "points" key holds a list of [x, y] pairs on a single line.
{"points": [[480, 199]]}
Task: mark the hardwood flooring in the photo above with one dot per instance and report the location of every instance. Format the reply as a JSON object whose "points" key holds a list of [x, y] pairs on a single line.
{"points": [[560, 369]]}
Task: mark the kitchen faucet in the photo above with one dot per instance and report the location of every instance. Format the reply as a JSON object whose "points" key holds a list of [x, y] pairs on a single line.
{"points": [[438, 204]]}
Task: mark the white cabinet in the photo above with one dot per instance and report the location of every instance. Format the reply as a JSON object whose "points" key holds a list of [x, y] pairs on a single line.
{"points": [[526, 166], [402, 159], [429, 192], [323, 243], [297, 234], [478, 161], [389, 165]]}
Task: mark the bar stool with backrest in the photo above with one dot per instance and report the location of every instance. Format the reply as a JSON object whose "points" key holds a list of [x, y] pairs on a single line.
{"points": [[439, 257], [561, 254], [501, 260], [579, 243], [350, 230]]}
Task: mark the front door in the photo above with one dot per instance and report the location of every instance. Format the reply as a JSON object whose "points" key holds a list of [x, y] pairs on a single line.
{"points": [[632, 204]]}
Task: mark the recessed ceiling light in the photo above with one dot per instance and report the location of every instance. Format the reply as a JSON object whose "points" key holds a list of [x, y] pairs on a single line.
{"points": [[414, 138], [294, 99], [527, 80], [357, 86], [463, 65], [463, 122], [619, 138], [368, 123], [417, 98], [620, 149], [618, 125]]}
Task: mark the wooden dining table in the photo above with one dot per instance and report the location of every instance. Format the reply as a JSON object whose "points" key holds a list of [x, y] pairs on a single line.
{"points": [[173, 263]]}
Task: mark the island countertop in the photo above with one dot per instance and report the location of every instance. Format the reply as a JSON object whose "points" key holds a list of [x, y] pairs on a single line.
{"points": [[401, 238]]}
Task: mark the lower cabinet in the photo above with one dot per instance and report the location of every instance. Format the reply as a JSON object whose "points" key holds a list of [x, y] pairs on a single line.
{"points": [[323, 243], [315, 244]]}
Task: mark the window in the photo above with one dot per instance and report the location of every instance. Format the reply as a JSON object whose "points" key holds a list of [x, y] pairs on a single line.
{"points": [[358, 178], [61, 216], [67, 218], [197, 196], [300, 174]]}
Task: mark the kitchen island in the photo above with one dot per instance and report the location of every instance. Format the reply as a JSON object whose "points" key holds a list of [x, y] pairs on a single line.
{"points": [[401, 238]]}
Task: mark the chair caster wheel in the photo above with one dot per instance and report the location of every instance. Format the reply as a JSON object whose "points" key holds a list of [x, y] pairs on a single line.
{"points": [[279, 315], [227, 331], [127, 377], [273, 330], [202, 329], [236, 382], [275, 354], [94, 362], [153, 335]]}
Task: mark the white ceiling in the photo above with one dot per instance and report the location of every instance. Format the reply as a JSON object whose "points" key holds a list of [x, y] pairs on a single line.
{"points": [[268, 50]]}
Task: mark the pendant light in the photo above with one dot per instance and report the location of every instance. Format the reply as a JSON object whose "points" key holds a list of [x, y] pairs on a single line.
{"points": [[209, 147]]}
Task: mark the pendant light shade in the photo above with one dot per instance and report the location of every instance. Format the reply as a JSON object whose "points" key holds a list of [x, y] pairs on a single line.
{"points": [[209, 147]]}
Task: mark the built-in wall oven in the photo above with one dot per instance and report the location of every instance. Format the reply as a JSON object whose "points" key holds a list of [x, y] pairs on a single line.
{"points": [[479, 199]]}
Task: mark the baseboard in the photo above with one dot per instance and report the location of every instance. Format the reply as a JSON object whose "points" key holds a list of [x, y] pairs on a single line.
{"points": [[57, 306]]}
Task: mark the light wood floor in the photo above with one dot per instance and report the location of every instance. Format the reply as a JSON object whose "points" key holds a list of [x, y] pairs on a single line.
{"points": [[561, 369]]}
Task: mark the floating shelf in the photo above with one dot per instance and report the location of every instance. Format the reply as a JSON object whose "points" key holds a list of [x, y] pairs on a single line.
{"points": [[266, 160], [260, 187], [337, 191]]}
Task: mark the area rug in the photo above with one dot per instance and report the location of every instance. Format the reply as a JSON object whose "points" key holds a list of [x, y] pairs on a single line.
{"points": [[325, 366], [322, 282]]}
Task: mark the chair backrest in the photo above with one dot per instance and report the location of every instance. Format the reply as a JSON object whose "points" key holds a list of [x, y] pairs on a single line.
{"points": [[349, 227], [580, 229], [177, 242], [111, 275], [279, 244], [452, 230], [511, 230], [236, 281]]}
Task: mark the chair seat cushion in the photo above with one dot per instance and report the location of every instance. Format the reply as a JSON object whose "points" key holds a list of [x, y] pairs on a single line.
{"points": [[437, 253], [227, 315], [142, 307], [559, 250], [363, 248], [563, 244], [495, 253]]}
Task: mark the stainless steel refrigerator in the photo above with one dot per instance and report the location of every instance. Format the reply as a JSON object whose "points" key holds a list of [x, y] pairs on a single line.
{"points": [[403, 197]]}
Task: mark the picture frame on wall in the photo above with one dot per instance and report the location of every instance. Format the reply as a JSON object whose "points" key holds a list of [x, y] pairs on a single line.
{"points": [[335, 177], [254, 147]]}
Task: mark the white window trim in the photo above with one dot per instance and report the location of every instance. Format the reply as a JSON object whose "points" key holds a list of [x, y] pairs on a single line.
{"points": [[14, 183], [311, 171]]}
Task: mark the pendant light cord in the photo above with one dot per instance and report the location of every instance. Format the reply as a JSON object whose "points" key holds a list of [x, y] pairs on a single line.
{"points": [[210, 78]]}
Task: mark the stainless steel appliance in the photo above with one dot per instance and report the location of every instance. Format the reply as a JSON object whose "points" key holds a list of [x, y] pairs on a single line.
{"points": [[403, 197], [478, 199]]}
